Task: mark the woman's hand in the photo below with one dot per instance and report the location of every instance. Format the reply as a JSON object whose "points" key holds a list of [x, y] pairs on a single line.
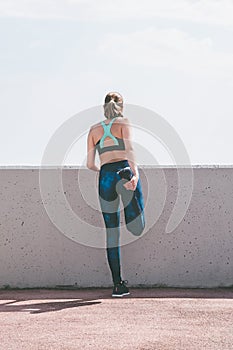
{"points": [[132, 184]]}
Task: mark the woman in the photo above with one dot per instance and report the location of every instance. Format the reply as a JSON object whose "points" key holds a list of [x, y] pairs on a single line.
{"points": [[116, 155]]}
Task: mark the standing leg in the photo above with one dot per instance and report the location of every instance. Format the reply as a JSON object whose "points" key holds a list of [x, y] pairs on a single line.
{"points": [[109, 203], [112, 239]]}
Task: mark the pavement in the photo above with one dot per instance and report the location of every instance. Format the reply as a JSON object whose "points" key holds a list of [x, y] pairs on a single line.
{"points": [[147, 319]]}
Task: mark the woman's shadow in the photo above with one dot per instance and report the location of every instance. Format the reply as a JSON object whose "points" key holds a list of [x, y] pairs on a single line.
{"points": [[48, 300], [42, 300]]}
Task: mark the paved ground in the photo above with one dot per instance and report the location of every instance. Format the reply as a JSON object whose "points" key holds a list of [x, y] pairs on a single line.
{"points": [[158, 318]]}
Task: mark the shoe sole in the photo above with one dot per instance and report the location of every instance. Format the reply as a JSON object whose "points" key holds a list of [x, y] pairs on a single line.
{"points": [[120, 295]]}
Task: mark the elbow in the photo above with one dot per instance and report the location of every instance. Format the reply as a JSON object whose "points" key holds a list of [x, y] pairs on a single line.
{"points": [[130, 150], [89, 166]]}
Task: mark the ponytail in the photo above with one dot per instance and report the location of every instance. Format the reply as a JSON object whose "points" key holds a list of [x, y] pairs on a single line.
{"points": [[113, 106]]}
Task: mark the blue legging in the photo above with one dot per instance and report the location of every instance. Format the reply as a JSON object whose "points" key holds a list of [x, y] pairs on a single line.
{"points": [[110, 186]]}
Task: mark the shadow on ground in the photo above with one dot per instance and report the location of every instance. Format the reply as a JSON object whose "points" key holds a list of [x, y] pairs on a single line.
{"points": [[48, 300]]}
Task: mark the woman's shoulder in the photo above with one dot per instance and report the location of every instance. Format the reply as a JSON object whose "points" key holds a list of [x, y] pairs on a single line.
{"points": [[125, 120], [95, 125]]}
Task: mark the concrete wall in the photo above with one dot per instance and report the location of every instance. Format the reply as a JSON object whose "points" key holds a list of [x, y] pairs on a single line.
{"points": [[34, 253]]}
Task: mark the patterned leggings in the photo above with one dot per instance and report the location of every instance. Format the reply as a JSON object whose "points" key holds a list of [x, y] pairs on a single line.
{"points": [[109, 189]]}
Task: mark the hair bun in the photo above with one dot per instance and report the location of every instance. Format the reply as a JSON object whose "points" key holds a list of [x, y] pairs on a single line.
{"points": [[114, 108]]}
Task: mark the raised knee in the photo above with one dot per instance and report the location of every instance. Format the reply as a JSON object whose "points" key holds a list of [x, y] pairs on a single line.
{"points": [[136, 228], [136, 232]]}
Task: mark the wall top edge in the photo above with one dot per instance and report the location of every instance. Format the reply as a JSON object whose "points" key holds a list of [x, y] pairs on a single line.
{"points": [[211, 166]]}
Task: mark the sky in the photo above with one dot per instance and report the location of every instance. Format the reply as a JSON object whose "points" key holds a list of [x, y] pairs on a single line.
{"points": [[61, 57]]}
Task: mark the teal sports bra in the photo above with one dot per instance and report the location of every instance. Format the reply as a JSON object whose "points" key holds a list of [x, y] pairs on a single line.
{"points": [[118, 142]]}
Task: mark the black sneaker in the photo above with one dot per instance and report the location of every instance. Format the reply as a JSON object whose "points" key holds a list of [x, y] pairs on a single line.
{"points": [[120, 289]]}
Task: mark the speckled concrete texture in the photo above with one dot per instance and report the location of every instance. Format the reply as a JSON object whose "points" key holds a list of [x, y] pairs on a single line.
{"points": [[34, 253], [147, 319]]}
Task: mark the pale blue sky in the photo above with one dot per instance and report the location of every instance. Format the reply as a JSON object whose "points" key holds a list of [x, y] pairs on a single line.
{"points": [[174, 57]]}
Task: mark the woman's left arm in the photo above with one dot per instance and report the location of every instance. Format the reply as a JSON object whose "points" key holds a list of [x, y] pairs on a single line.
{"points": [[91, 152]]}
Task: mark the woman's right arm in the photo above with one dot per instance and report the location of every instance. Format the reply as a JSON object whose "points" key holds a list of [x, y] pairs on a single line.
{"points": [[127, 136]]}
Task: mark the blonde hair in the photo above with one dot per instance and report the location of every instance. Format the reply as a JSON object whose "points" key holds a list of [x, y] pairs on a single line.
{"points": [[113, 105]]}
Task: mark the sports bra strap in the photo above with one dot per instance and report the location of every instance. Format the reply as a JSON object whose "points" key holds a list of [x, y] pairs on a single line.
{"points": [[107, 132]]}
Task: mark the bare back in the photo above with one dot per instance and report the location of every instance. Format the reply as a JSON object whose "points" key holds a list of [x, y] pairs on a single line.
{"points": [[116, 130]]}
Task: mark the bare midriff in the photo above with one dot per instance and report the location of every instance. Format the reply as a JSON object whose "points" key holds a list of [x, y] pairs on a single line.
{"points": [[109, 156]]}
